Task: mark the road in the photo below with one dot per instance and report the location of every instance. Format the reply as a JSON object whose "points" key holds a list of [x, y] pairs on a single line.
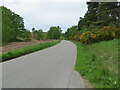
{"points": [[49, 68]]}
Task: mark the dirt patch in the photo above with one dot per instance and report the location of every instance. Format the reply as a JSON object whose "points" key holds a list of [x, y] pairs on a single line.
{"points": [[87, 83], [16, 45]]}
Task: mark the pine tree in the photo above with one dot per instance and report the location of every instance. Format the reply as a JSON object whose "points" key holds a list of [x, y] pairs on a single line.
{"points": [[90, 16]]}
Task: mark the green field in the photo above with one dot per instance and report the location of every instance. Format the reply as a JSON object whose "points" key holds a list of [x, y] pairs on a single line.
{"points": [[26, 50], [98, 63]]}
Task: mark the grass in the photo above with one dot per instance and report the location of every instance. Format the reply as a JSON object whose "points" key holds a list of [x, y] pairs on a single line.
{"points": [[98, 63], [26, 50]]}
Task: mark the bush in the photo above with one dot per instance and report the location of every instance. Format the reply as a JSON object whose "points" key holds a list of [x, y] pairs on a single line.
{"points": [[105, 33], [89, 35], [111, 31]]}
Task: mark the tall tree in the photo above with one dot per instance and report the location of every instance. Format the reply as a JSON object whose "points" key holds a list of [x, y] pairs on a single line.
{"points": [[107, 13], [100, 14], [90, 15], [12, 25]]}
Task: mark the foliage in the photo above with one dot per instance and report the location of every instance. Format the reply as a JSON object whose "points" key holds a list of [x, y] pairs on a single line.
{"points": [[71, 32], [94, 68], [13, 29], [100, 14], [12, 25], [26, 35], [38, 34], [26, 50], [54, 33], [96, 35], [0, 26], [62, 38], [99, 23]]}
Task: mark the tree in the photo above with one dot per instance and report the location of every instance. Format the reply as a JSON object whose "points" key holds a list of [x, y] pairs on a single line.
{"points": [[100, 14], [54, 33], [118, 14], [0, 26], [33, 29], [26, 35], [72, 31], [12, 25], [107, 13], [37, 34], [90, 15]]}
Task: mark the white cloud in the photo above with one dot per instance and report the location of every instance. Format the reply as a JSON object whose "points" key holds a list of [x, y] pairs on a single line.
{"points": [[45, 14], [44, 0]]}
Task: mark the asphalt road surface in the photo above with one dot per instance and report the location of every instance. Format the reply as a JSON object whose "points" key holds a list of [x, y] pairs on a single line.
{"points": [[49, 68]]}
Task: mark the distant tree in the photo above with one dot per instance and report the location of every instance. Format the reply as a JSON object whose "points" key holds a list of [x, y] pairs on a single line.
{"points": [[33, 29], [26, 35], [72, 31], [54, 33], [38, 34]]}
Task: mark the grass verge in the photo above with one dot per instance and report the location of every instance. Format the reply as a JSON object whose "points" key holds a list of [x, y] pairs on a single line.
{"points": [[26, 50], [98, 63]]}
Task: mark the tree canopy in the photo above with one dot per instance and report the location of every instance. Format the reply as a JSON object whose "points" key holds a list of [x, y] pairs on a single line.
{"points": [[38, 34], [101, 22], [100, 14], [12, 25], [54, 32]]}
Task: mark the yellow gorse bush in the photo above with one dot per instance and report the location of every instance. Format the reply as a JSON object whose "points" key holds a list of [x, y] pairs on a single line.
{"points": [[113, 34], [93, 36]]}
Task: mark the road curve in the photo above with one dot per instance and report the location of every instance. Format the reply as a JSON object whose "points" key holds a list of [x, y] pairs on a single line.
{"points": [[49, 68]]}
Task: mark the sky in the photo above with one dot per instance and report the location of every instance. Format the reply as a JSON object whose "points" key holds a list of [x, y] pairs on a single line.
{"points": [[42, 14]]}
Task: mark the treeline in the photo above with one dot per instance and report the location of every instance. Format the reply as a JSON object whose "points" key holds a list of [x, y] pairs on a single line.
{"points": [[101, 22], [13, 29], [53, 33]]}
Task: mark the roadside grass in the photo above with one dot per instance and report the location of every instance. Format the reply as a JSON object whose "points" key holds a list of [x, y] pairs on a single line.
{"points": [[26, 50], [98, 63]]}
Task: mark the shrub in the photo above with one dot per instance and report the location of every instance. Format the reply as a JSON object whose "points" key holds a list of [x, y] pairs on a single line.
{"points": [[96, 35], [76, 37], [111, 31]]}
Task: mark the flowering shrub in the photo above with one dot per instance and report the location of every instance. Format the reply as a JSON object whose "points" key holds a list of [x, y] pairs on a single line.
{"points": [[84, 37], [105, 33], [111, 31], [76, 37], [93, 36], [88, 35]]}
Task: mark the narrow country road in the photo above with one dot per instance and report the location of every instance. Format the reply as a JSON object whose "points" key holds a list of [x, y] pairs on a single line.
{"points": [[50, 68]]}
